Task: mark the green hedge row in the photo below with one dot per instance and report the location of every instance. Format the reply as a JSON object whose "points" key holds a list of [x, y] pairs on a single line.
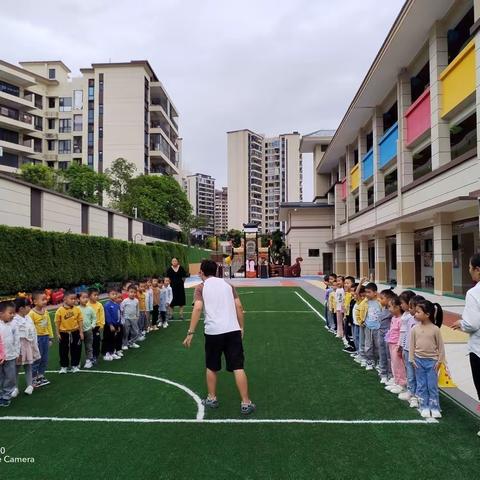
{"points": [[196, 255], [34, 259]]}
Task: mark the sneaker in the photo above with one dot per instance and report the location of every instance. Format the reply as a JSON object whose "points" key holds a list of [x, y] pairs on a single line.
{"points": [[165, 325], [363, 363], [63, 370], [29, 390], [247, 408], [389, 387], [210, 402], [14, 393], [377, 368], [425, 412], [154, 327], [116, 357], [43, 381], [391, 381], [396, 389], [144, 332], [369, 367], [36, 382], [75, 369], [353, 355], [94, 360], [358, 359], [141, 338], [119, 353], [4, 402], [88, 364], [134, 345], [107, 357], [125, 347], [349, 349], [414, 402], [384, 380], [405, 396], [326, 326], [436, 413]]}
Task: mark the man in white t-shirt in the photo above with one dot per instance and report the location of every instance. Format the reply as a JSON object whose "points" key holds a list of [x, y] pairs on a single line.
{"points": [[224, 325]]}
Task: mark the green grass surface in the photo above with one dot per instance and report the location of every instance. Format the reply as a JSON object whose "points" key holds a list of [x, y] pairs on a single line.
{"points": [[296, 370]]}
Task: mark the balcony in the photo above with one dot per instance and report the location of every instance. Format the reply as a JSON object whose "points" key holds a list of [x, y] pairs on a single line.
{"points": [[458, 80], [418, 118], [367, 166], [12, 118], [24, 147], [354, 177], [387, 146]]}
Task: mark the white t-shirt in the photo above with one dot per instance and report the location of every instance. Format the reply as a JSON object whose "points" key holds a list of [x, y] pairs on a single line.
{"points": [[219, 305], [340, 299]]}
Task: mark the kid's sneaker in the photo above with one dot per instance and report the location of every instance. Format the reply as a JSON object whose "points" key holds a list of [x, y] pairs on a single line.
{"points": [[369, 367], [405, 396], [396, 389], [116, 357], [4, 403], [391, 381], [75, 369], [63, 370], [247, 408], [107, 357], [134, 345], [88, 364], [436, 414], [384, 380], [165, 325], [125, 347], [141, 338], [43, 381], [363, 363], [119, 353], [413, 402], [14, 393], [29, 390], [210, 402], [425, 412]]}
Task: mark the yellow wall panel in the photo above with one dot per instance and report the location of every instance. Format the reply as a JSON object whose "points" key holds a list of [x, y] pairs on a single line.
{"points": [[458, 79], [354, 178]]}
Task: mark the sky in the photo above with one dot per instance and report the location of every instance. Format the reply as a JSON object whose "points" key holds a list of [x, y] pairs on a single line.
{"points": [[272, 66]]}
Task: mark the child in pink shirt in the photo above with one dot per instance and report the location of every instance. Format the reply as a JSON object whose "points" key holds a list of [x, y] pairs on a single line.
{"points": [[393, 336]]}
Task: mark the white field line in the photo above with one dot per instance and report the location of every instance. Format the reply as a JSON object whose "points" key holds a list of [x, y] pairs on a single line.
{"points": [[315, 310], [219, 421]]}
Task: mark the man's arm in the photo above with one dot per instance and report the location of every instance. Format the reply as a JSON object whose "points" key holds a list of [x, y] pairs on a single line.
{"points": [[240, 314], [197, 311]]}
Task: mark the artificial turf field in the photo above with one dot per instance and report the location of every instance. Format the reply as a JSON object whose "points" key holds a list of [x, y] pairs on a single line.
{"points": [[296, 371]]}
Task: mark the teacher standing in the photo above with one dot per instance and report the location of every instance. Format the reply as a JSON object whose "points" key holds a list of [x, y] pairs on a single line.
{"points": [[177, 274], [470, 321]]}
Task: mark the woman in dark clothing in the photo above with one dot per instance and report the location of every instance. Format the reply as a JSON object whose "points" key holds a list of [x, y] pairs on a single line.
{"points": [[177, 274]]}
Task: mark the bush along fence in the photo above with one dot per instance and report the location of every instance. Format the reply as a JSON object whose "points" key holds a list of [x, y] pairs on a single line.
{"points": [[34, 259]]}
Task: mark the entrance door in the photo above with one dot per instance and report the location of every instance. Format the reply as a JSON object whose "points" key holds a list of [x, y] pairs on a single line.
{"points": [[357, 261], [327, 262], [418, 264]]}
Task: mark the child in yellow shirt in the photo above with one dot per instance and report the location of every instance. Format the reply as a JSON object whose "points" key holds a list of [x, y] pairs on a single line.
{"points": [[69, 330], [98, 328]]}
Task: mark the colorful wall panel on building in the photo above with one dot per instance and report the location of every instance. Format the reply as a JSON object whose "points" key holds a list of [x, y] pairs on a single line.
{"points": [[367, 165], [354, 178], [418, 117], [388, 146]]}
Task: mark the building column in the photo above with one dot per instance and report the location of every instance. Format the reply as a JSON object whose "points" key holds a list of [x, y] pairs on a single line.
{"points": [[442, 254], [476, 9], [350, 199], [339, 258], [378, 176], [440, 132], [404, 155], [380, 258], [339, 208], [350, 251], [364, 258], [405, 240], [362, 150]]}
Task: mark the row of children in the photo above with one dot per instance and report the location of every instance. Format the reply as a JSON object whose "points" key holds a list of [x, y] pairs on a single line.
{"points": [[398, 335], [26, 332]]}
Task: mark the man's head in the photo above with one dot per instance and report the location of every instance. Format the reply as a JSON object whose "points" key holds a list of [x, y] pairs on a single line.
{"points": [[208, 268]]}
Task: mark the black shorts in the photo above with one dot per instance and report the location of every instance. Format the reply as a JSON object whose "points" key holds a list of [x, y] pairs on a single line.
{"points": [[230, 344]]}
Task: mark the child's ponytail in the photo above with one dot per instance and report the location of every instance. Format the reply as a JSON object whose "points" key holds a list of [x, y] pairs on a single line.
{"points": [[438, 315]]}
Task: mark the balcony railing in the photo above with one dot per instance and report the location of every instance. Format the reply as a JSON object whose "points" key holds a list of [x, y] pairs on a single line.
{"points": [[418, 118], [367, 165], [388, 146], [343, 191], [160, 101], [458, 79], [15, 115], [355, 177]]}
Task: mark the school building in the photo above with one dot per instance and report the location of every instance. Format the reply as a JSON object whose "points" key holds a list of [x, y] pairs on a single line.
{"points": [[401, 172]]}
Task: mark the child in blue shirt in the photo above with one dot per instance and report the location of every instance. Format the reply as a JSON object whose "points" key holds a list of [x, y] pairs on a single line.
{"points": [[112, 333]]}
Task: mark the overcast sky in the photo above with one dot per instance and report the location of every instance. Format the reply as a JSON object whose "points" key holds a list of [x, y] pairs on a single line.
{"points": [[273, 66]]}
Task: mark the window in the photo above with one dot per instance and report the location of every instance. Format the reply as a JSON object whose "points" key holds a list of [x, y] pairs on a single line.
{"points": [[369, 138], [323, 148], [463, 137], [355, 157], [51, 73], [51, 102], [38, 101], [370, 195], [313, 252], [90, 160], [459, 36], [393, 256], [78, 161], [390, 117], [38, 122], [9, 160], [8, 135], [422, 162], [64, 146], [65, 104], [50, 145], [51, 124], [65, 125], [100, 132], [391, 182], [63, 165], [357, 204], [78, 99], [77, 123], [9, 88], [77, 144], [100, 110], [420, 82], [90, 139], [91, 89]]}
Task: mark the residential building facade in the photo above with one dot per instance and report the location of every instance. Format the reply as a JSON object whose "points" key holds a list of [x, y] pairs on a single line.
{"points": [[262, 173], [112, 110], [403, 165], [200, 190], [221, 211]]}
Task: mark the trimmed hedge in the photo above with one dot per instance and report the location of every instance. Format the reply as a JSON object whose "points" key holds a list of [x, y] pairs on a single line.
{"points": [[33, 259], [196, 255]]}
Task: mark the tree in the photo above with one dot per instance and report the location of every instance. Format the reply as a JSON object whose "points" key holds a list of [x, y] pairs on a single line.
{"points": [[278, 249], [120, 173], [158, 199], [85, 184], [235, 236], [40, 175], [192, 222]]}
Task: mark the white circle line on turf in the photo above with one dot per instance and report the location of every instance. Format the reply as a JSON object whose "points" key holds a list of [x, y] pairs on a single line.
{"points": [[220, 421], [191, 393], [316, 311]]}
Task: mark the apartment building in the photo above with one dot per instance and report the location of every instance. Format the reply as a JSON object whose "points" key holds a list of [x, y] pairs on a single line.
{"points": [[403, 165], [200, 190], [262, 173], [221, 211], [112, 110]]}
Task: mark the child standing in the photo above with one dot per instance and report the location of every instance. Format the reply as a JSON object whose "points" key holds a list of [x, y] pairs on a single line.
{"points": [[358, 324], [89, 322], [41, 319], [340, 306], [393, 336], [142, 306], [93, 302], [111, 346], [426, 354], [29, 352], [372, 326], [349, 304], [168, 288], [11, 348], [385, 319], [155, 303], [163, 306], [332, 307], [69, 330], [149, 304], [130, 312]]}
